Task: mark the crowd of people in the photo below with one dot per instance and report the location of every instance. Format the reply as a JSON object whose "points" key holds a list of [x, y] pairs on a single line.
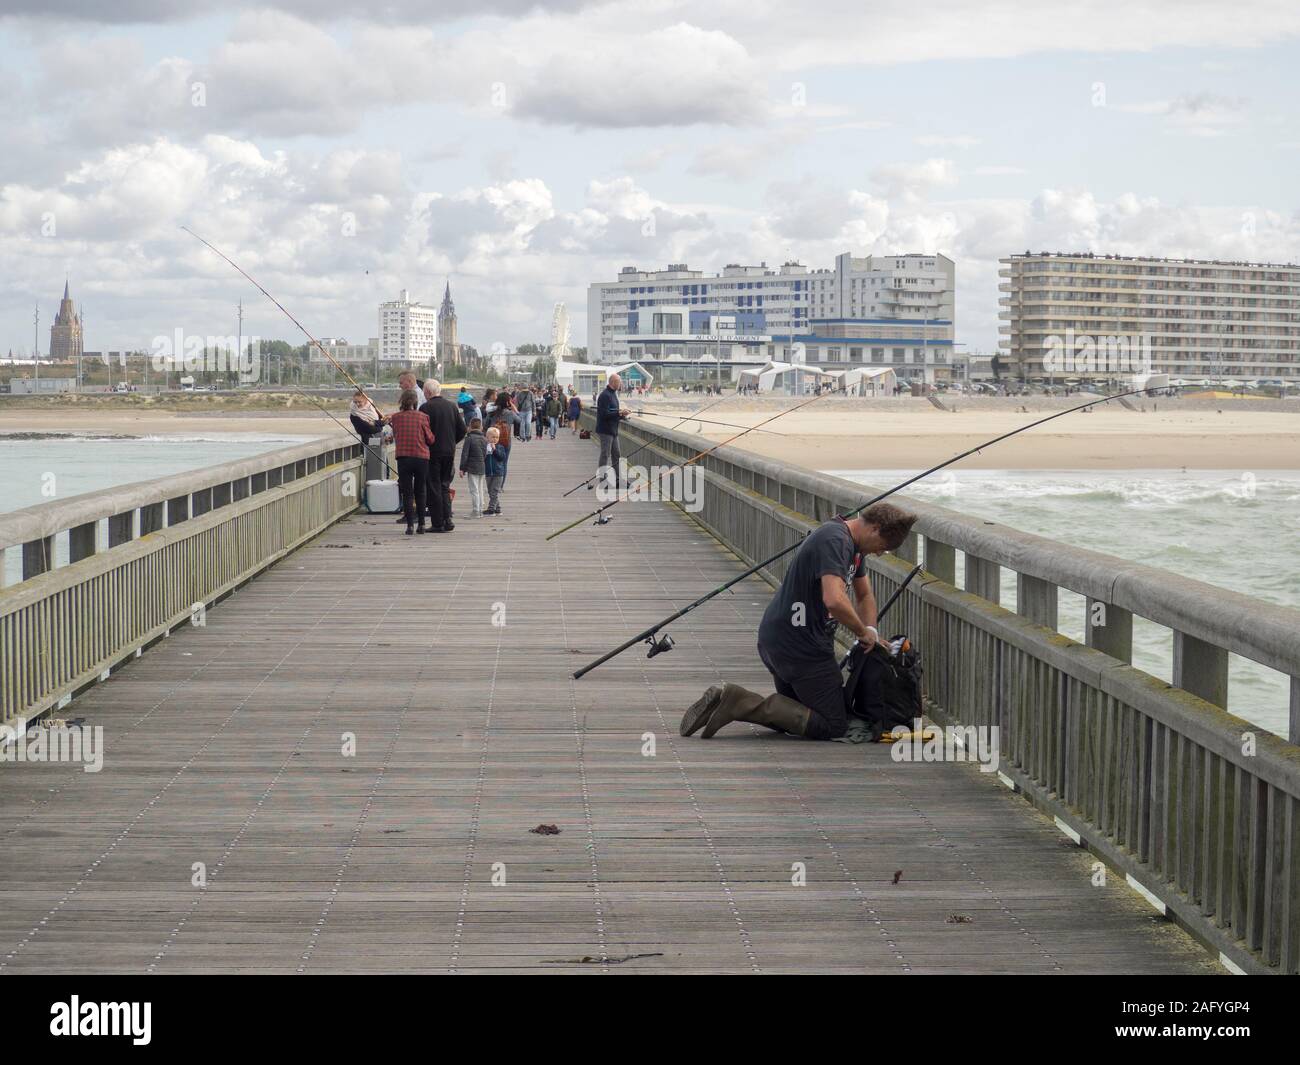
{"points": [[827, 575], [427, 428]]}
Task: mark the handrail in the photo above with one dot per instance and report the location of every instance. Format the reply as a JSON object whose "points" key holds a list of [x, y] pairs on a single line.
{"points": [[1263, 632], [50, 518], [1207, 623]]}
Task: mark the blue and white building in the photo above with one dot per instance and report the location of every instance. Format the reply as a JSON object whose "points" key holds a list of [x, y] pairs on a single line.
{"points": [[892, 311]]}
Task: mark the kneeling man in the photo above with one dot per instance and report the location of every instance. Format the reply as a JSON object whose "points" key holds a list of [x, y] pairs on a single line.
{"points": [[796, 638]]}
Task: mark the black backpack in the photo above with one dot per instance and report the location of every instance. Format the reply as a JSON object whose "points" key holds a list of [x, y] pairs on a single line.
{"points": [[900, 687]]}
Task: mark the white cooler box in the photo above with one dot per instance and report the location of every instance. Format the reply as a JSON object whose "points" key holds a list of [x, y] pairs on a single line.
{"points": [[383, 497]]}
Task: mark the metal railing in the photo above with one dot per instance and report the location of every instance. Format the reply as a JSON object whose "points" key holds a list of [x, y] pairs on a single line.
{"points": [[142, 558], [1198, 807]]}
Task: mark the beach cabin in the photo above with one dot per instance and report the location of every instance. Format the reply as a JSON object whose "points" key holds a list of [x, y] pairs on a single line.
{"points": [[586, 378], [867, 381], [788, 377]]}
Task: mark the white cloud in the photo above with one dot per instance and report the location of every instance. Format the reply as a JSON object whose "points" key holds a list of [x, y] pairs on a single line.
{"points": [[591, 77], [913, 180]]}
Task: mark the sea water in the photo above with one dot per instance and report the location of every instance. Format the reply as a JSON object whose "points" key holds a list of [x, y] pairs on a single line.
{"points": [[1239, 531], [40, 468]]}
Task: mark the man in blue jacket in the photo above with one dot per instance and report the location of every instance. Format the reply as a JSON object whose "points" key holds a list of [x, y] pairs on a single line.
{"points": [[608, 416]]}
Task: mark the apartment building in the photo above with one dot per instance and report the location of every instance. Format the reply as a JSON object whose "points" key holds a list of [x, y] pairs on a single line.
{"points": [[1192, 319], [895, 310], [408, 332]]}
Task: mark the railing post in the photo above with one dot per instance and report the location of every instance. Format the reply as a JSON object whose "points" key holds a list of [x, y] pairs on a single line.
{"points": [[82, 541], [1294, 735], [152, 518], [1109, 629], [983, 578], [38, 557], [907, 549], [941, 560], [1036, 599], [1201, 668], [121, 528]]}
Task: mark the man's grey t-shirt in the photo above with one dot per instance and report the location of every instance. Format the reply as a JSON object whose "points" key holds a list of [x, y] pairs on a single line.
{"points": [[796, 623]]}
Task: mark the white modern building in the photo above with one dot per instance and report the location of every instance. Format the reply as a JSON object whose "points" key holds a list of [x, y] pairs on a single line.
{"points": [[895, 311], [408, 332], [1074, 314]]}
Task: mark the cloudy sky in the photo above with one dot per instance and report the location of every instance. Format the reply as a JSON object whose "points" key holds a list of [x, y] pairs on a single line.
{"points": [[526, 149]]}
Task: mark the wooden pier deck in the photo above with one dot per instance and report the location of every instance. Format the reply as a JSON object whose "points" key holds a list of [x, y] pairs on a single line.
{"points": [[224, 747]]}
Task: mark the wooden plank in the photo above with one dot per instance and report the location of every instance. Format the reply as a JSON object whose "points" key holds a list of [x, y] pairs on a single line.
{"points": [[447, 660]]}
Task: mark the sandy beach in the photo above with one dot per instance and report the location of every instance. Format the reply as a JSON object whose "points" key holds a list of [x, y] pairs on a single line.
{"points": [[838, 435], [1109, 438]]}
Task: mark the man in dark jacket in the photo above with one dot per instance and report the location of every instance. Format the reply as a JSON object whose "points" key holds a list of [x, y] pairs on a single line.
{"points": [[608, 416], [825, 586], [448, 427]]}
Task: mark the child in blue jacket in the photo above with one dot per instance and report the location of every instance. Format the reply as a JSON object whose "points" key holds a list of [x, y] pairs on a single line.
{"points": [[498, 454]]}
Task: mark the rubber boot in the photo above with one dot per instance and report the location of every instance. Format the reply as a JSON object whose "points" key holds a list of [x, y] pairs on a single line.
{"points": [[697, 716], [774, 711]]}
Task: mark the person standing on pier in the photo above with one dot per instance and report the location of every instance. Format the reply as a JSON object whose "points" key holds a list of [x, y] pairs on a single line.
{"points": [[506, 419], [412, 438], [449, 429], [575, 409], [553, 408], [406, 382], [525, 403], [796, 638], [497, 453], [473, 466], [608, 417]]}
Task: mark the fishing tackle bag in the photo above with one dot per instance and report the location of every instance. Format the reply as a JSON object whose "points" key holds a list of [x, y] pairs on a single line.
{"points": [[900, 679]]}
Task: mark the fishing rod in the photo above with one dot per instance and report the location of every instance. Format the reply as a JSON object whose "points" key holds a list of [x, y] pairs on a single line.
{"points": [[706, 406], [702, 421], [598, 513], [350, 379], [664, 643], [880, 616], [346, 428]]}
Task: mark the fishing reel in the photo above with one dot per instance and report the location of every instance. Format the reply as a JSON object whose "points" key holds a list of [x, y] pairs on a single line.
{"points": [[659, 646], [603, 519]]}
